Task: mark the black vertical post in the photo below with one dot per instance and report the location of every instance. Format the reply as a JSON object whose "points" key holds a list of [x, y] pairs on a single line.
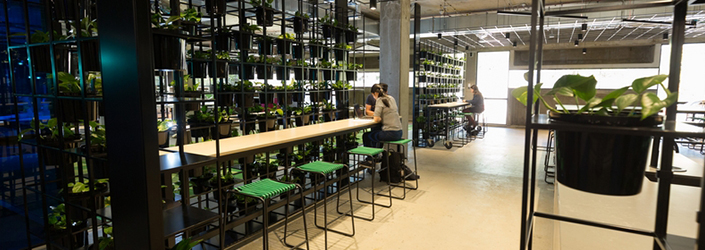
{"points": [[126, 49], [414, 96], [665, 173]]}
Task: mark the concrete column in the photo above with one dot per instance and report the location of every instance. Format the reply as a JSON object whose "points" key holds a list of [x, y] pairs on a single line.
{"points": [[394, 53], [470, 73]]}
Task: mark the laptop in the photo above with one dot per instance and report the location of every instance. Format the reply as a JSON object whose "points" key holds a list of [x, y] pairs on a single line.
{"points": [[360, 113]]}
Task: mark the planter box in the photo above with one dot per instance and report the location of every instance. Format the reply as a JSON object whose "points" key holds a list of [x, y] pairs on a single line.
{"points": [[300, 25], [198, 69], [243, 40], [223, 40], [265, 16], [283, 73], [609, 164], [169, 52], [221, 68], [264, 72]]}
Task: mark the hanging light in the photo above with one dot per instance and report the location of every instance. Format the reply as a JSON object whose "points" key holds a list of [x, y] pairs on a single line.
{"points": [[440, 35], [373, 4], [514, 43], [456, 41], [507, 35], [577, 43], [665, 36], [584, 27], [584, 51], [467, 47], [580, 37]]}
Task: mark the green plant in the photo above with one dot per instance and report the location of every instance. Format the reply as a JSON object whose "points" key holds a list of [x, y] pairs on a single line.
{"points": [[68, 84], [97, 134], [83, 187], [108, 240], [298, 14], [263, 86], [202, 116], [189, 15], [284, 86], [89, 28], [204, 55], [245, 86], [325, 64], [351, 27], [52, 126], [325, 20], [341, 85], [57, 217], [421, 119], [251, 28], [164, 125], [344, 46], [326, 105], [223, 55], [97, 81], [259, 3], [186, 244], [287, 36], [612, 104]]}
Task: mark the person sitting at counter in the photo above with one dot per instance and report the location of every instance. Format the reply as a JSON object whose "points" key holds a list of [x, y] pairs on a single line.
{"points": [[370, 102], [387, 113], [478, 106]]}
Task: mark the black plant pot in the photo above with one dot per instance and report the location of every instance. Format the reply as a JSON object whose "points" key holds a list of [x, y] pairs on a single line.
{"points": [[298, 97], [90, 55], [283, 46], [200, 130], [300, 25], [41, 58], [422, 54], [327, 74], [267, 124], [245, 100], [299, 74], [223, 40], [72, 112], [600, 163], [249, 72], [283, 73], [216, 6], [313, 75], [221, 68], [314, 51], [350, 36], [198, 69], [266, 97], [226, 100], [168, 52], [64, 9], [317, 97], [328, 31], [285, 98], [351, 75], [264, 47], [192, 94], [265, 16], [423, 78], [341, 55], [243, 40], [261, 74], [342, 98], [298, 51]]}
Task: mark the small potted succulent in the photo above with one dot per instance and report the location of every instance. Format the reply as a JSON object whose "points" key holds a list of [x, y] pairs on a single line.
{"points": [[603, 163]]}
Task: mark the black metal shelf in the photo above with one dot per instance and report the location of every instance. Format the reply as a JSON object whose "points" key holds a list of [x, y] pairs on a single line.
{"points": [[182, 218]]}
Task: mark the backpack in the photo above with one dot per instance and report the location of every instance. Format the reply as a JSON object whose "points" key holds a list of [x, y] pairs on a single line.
{"points": [[395, 168]]}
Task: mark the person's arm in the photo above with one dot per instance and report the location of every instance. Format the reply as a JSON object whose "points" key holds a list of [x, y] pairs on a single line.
{"points": [[368, 110], [378, 110]]}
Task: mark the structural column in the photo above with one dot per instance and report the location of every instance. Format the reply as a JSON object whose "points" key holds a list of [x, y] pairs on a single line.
{"points": [[394, 53], [470, 73]]}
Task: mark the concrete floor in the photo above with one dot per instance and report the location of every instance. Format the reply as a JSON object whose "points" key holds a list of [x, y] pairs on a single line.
{"points": [[470, 198]]}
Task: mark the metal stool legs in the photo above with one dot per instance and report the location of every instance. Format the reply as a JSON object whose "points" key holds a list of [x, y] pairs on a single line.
{"points": [[372, 201], [403, 179]]}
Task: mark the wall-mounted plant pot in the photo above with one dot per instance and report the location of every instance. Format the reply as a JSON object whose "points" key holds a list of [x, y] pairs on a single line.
{"points": [[350, 36], [249, 72], [193, 105], [283, 73], [299, 74], [169, 52], [315, 51], [90, 55], [221, 68], [265, 16], [163, 138], [313, 75], [72, 112], [599, 163], [226, 100], [298, 97], [243, 40], [423, 78], [245, 100], [58, 158], [223, 41], [328, 31], [322, 95], [328, 116], [422, 54], [198, 69], [351, 75], [267, 124], [264, 72], [300, 25], [62, 238], [217, 7], [326, 53], [223, 129], [265, 47], [342, 98], [199, 129], [303, 120], [64, 9], [298, 51], [327, 74], [283, 46], [201, 184], [285, 98], [341, 55], [41, 58]]}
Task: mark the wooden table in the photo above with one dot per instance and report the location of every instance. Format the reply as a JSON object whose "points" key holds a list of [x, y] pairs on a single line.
{"points": [[236, 147]]}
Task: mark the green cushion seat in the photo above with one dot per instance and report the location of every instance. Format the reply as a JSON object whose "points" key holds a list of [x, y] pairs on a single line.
{"points": [[468, 113], [366, 151], [321, 167], [402, 141], [265, 189]]}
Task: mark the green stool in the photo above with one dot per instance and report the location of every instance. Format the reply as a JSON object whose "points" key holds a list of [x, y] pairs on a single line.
{"points": [[402, 146], [265, 190], [371, 153], [326, 169]]}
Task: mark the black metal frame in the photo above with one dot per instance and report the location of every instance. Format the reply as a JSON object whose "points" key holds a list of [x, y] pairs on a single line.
{"points": [[403, 178], [372, 179], [670, 130]]}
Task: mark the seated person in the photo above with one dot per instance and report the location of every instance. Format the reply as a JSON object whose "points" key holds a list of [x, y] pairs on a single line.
{"points": [[386, 112], [478, 106], [370, 103]]}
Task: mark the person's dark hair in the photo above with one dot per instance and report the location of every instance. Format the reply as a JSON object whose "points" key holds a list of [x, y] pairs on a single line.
{"points": [[384, 86], [373, 87], [475, 90], [377, 88]]}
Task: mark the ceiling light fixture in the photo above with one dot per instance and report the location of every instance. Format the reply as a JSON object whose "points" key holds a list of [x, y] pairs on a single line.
{"points": [[455, 42], [507, 35], [440, 35], [467, 47], [577, 43], [373, 4], [514, 43], [665, 36], [580, 37], [584, 51], [584, 27]]}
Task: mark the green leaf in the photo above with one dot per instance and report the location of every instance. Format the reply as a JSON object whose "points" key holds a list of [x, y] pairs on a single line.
{"points": [[564, 91], [642, 84], [78, 187], [582, 87], [108, 230], [595, 101], [521, 94], [624, 101], [651, 104]]}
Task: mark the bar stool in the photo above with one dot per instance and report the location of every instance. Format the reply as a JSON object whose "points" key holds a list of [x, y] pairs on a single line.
{"points": [[264, 191], [371, 153], [402, 145], [327, 169]]}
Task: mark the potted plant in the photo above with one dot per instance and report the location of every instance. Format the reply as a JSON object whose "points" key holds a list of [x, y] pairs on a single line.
{"points": [[199, 63], [268, 118], [264, 12], [163, 128], [200, 121], [106, 242], [191, 91], [221, 64], [80, 189], [351, 73], [222, 118], [329, 151], [264, 45], [246, 99], [266, 93], [303, 115], [315, 48], [300, 22], [70, 109], [58, 228], [299, 70], [283, 72], [326, 69], [342, 93], [245, 204], [328, 110], [201, 183], [319, 91], [351, 34], [98, 149], [225, 180], [284, 93], [341, 52], [216, 7], [226, 95], [265, 71], [49, 135], [611, 164], [243, 38], [169, 48], [284, 42], [328, 26], [268, 167]]}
